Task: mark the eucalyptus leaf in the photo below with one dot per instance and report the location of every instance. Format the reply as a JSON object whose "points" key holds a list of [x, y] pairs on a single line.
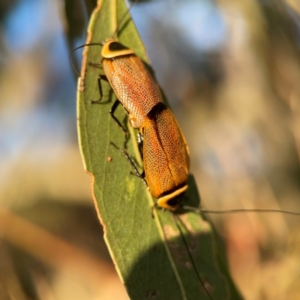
{"points": [[150, 253]]}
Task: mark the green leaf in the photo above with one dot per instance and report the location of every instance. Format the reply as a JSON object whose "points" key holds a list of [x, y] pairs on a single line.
{"points": [[149, 253]]}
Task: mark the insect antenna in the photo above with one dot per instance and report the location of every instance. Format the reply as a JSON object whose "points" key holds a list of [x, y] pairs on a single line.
{"points": [[123, 18], [100, 44], [79, 47], [177, 220], [239, 210]]}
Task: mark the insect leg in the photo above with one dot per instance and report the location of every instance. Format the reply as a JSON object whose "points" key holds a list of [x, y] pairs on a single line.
{"points": [[136, 171], [100, 77], [113, 108], [140, 146], [112, 111], [140, 143]]}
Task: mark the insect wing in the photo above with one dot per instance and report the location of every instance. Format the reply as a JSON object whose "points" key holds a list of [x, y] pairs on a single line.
{"points": [[165, 153], [133, 85]]}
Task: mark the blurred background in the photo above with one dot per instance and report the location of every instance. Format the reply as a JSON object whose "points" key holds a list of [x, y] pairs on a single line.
{"points": [[231, 72]]}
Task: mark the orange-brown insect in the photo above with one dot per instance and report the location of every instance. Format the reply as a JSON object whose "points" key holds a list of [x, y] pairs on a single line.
{"points": [[165, 152], [132, 84], [166, 157]]}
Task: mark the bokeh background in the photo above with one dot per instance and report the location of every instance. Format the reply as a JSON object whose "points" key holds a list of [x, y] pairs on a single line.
{"points": [[231, 72]]}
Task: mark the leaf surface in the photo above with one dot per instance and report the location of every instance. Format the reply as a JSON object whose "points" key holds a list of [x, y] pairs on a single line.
{"points": [[150, 254]]}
